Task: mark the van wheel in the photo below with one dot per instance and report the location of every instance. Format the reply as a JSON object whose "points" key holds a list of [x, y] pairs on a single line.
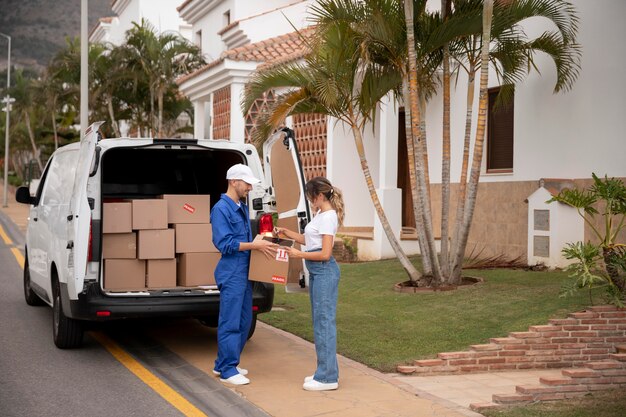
{"points": [[67, 333], [252, 326], [31, 298]]}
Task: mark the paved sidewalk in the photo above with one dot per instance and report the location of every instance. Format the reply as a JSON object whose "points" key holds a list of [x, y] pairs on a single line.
{"points": [[278, 362]]}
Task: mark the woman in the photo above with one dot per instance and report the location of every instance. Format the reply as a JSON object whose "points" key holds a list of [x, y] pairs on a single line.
{"points": [[319, 236]]}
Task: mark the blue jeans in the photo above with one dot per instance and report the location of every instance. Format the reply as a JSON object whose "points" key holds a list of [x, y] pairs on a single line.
{"points": [[323, 291]]}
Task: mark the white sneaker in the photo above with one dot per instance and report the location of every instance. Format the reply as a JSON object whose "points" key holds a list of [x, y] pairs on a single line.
{"points": [[308, 378], [242, 371], [314, 385], [236, 380]]}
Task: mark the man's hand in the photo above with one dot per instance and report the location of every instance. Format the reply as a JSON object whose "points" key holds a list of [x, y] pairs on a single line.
{"points": [[266, 247]]}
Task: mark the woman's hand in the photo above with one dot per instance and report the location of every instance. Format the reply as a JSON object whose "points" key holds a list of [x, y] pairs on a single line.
{"points": [[293, 252]]}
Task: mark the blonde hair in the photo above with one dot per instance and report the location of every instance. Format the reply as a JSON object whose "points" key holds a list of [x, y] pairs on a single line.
{"points": [[321, 185]]}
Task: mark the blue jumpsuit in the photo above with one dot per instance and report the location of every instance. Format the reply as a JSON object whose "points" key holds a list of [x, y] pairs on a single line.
{"points": [[231, 226]]}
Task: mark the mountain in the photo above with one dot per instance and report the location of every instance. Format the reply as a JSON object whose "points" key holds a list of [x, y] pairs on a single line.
{"points": [[38, 27]]}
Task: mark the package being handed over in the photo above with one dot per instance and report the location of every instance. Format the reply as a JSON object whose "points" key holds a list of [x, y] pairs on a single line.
{"points": [[274, 270]]}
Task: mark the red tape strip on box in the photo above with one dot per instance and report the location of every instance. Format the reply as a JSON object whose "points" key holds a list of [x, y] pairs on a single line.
{"points": [[280, 280], [189, 208]]}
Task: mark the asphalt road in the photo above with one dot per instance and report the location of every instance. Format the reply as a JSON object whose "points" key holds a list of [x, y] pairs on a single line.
{"points": [[37, 379]]}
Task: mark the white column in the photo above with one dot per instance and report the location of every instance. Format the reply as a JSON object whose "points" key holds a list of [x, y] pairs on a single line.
{"points": [[199, 120], [237, 119], [388, 192]]}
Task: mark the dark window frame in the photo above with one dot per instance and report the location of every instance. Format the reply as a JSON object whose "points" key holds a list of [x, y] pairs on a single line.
{"points": [[500, 134]]}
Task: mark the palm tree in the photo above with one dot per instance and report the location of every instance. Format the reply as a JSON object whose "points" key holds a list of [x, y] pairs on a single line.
{"points": [[412, 53], [332, 81], [161, 58], [25, 108], [512, 55]]}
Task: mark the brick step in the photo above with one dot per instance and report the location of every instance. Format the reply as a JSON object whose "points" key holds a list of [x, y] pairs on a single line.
{"points": [[542, 389], [556, 380], [608, 364], [405, 369], [478, 407], [620, 357], [510, 399], [581, 373], [486, 347], [620, 348]]}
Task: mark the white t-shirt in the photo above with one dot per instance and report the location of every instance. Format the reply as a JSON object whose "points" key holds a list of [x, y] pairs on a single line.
{"points": [[324, 223]]}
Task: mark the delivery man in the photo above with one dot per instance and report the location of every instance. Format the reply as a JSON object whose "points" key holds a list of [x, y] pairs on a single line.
{"points": [[233, 238]]}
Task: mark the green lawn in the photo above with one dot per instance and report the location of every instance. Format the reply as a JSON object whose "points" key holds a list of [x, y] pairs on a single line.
{"points": [[597, 404], [382, 328]]}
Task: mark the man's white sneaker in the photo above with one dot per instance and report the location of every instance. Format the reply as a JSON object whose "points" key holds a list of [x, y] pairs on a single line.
{"points": [[242, 371], [308, 378], [236, 380], [314, 385]]}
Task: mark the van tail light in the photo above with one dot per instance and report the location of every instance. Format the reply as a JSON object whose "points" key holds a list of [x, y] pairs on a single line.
{"points": [[266, 225], [89, 255]]}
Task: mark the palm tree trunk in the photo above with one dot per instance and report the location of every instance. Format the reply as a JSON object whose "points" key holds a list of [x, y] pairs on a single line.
{"points": [[160, 109], [472, 189], [417, 207], [116, 127], [463, 181], [417, 130], [31, 135], [414, 275], [54, 130], [445, 163]]}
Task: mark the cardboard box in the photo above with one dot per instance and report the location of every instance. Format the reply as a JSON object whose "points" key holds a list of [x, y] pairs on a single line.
{"points": [[149, 214], [124, 274], [155, 244], [119, 245], [161, 273], [117, 218], [272, 270], [196, 269], [296, 266], [184, 208], [194, 238]]}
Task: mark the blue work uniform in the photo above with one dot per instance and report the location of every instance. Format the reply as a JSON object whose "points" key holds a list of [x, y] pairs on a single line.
{"points": [[231, 226]]}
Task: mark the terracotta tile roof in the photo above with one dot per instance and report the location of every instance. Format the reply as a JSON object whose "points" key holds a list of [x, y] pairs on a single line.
{"points": [[281, 49], [270, 49]]}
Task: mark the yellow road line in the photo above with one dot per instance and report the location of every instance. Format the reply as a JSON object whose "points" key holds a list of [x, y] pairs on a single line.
{"points": [[5, 237], [148, 377], [18, 255], [125, 359]]}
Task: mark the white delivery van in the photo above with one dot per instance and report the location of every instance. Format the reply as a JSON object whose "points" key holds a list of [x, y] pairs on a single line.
{"points": [[63, 250]]}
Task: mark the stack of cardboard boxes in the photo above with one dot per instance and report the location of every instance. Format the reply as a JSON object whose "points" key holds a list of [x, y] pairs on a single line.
{"points": [[158, 243]]}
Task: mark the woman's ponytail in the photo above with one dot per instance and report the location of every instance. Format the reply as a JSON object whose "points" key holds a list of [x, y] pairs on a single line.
{"points": [[321, 185]]}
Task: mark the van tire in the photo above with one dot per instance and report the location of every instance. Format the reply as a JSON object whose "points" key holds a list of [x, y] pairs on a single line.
{"points": [[67, 333], [252, 326], [31, 298]]}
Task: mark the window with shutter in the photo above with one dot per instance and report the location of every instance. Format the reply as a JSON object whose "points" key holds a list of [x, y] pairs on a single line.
{"points": [[500, 134]]}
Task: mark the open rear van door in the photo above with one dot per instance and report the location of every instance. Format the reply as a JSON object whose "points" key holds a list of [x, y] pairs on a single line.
{"points": [[79, 218], [284, 173]]}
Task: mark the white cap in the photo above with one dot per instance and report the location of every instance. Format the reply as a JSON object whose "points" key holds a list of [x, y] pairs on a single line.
{"points": [[241, 172]]}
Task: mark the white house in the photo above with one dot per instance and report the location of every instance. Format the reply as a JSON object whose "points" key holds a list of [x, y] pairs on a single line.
{"points": [[542, 136], [161, 14]]}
